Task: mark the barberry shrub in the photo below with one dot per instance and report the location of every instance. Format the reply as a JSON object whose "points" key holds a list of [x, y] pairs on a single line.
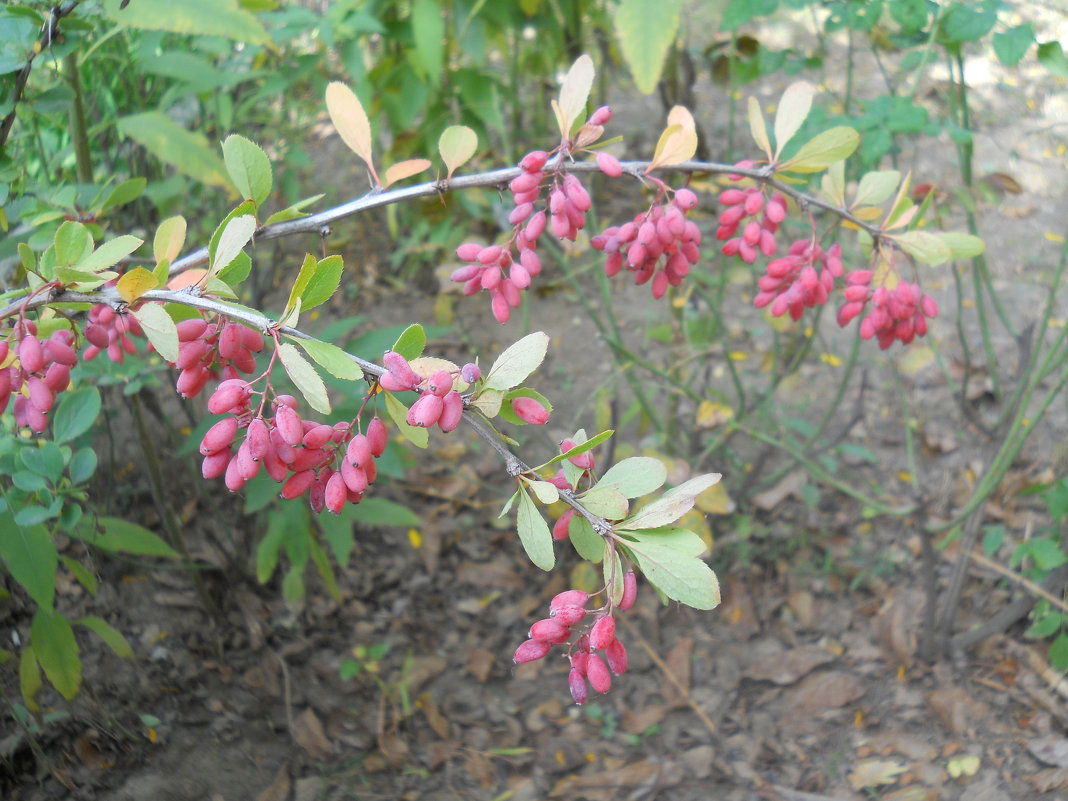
{"points": [[79, 301]]}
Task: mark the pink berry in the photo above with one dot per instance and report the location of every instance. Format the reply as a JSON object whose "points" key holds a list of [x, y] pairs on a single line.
{"points": [[630, 590], [569, 598], [531, 651], [609, 164], [335, 494], [549, 630], [576, 683], [530, 411], [298, 484], [560, 527], [425, 411], [452, 411], [377, 436], [219, 436], [616, 656], [31, 355], [568, 615], [603, 632], [598, 674]]}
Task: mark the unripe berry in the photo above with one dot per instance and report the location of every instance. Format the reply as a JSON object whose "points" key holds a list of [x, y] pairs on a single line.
{"points": [[597, 673], [531, 651], [603, 632]]}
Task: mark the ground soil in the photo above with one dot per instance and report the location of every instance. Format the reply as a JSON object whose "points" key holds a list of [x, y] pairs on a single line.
{"points": [[804, 685]]}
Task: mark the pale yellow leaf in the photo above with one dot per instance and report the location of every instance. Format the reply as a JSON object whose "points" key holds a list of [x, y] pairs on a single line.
{"points": [[574, 93], [794, 106], [350, 120], [405, 169], [456, 145], [758, 127]]}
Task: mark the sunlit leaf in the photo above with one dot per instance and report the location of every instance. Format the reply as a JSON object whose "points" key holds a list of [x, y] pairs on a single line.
{"points": [[672, 504], [186, 151], [234, 237], [159, 328], [197, 17], [350, 120], [823, 150], [517, 362], [249, 168], [170, 237], [758, 128], [875, 187], [636, 476], [794, 106], [457, 144], [574, 92], [404, 169], [646, 29]]}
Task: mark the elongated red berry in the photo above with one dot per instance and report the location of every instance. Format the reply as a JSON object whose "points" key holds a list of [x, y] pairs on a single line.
{"points": [[215, 464], [229, 395], [560, 527], [425, 411], [335, 494], [400, 369], [616, 656], [630, 590], [359, 450], [530, 411], [576, 682], [31, 354], [531, 651], [318, 436], [549, 630], [597, 673], [219, 436], [298, 484], [289, 426], [603, 632], [258, 438], [452, 411], [569, 598], [377, 436], [568, 615]]}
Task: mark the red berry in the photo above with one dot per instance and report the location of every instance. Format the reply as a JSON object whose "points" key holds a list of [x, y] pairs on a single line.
{"points": [[530, 411], [616, 656], [569, 598], [576, 682], [531, 651], [630, 590], [452, 411], [377, 436], [550, 630], [597, 673], [603, 632], [219, 436], [425, 412]]}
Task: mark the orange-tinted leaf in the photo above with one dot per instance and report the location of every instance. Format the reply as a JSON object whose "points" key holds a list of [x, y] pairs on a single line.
{"points": [[348, 116], [405, 169]]}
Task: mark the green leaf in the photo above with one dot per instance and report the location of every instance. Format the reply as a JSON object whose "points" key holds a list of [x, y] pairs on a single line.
{"points": [[84, 577], [73, 243], [170, 236], [517, 362], [57, 651], [268, 547], [384, 512], [249, 168], [77, 411], [971, 22], [235, 236], [739, 12], [428, 34], [961, 245], [115, 641], [605, 502], [612, 571], [159, 328], [28, 481], [125, 192], [322, 564], [307, 269], [580, 447], [457, 144], [1012, 45], [187, 152], [18, 35], [294, 212], [1045, 626], [1058, 652], [924, 246], [197, 17], [31, 557], [46, 460], [545, 492], [489, 402], [671, 505], [337, 530], [303, 375], [683, 578], [1051, 56], [823, 150], [675, 537], [875, 187], [116, 534], [534, 533], [398, 413], [646, 29], [636, 476], [323, 283], [293, 585], [30, 677], [587, 542], [332, 358], [411, 342], [109, 253], [794, 106]]}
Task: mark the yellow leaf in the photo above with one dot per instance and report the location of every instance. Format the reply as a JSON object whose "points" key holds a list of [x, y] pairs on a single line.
{"points": [[737, 355], [135, 283], [170, 236], [963, 766], [831, 359], [715, 501], [695, 521], [711, 414], [405, 169], [1052, 237], [415, 538], [350, 120], [868, 213], [757, 127], [574, 92], [680, 115], [676, 145]]}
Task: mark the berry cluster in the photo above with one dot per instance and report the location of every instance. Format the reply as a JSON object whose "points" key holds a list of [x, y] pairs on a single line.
{"points": [[438, 404], [758, 235], [109, 331], [660, 232], [505, 270], [42, 369], [566, 611], [803, 278], [896, 313], [302, 455], [210, 350]]}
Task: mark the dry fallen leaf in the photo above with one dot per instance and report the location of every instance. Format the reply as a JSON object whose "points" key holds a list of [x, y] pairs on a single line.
{"points": [[956, 708], [278, 790], [875, 772], [790, 666], [678, 662], [1051, 779], [309, 734]]}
